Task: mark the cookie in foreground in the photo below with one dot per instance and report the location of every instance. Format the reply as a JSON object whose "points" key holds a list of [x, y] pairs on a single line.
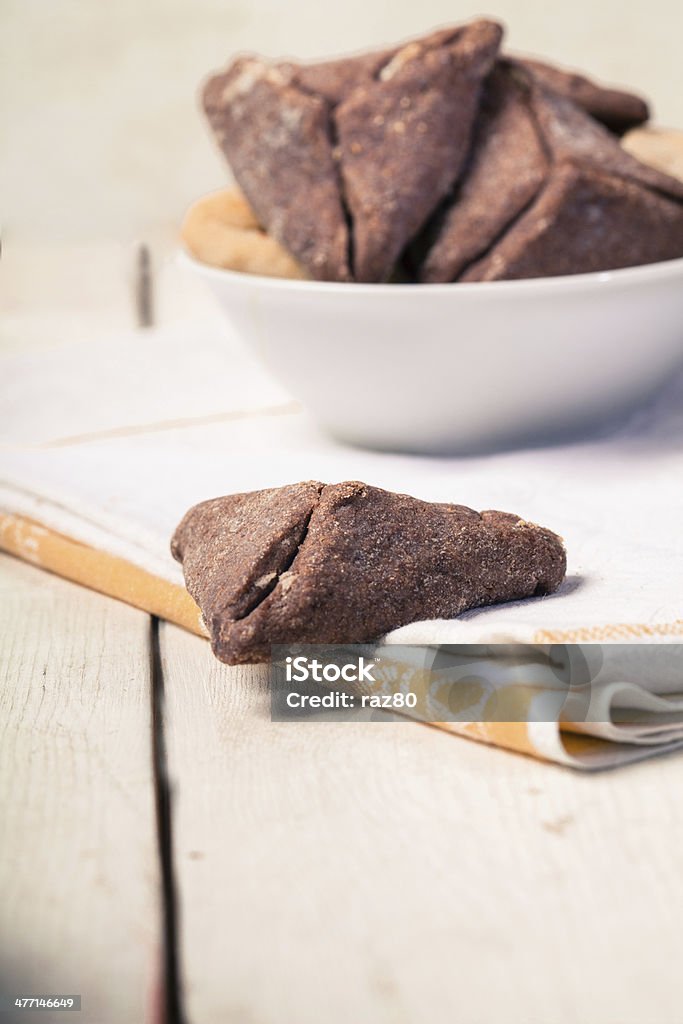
{"points": [[348, 563]]}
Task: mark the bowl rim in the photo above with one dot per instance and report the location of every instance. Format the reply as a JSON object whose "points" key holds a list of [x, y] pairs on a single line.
{"points": [[646, 272]]}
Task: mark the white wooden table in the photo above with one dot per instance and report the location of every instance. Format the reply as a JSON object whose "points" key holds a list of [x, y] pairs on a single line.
{"points": [[333, 872], [338, 873]]}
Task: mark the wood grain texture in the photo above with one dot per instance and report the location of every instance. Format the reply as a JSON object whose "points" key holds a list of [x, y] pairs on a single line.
{"points": [[391, 873], [100, 570], [79, 908]]}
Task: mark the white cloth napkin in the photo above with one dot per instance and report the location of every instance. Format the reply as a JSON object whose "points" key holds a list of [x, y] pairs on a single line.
{"points": [[111, 441]]}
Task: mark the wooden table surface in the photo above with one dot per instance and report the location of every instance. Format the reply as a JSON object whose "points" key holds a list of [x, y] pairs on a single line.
{"points": [[336, 873]]}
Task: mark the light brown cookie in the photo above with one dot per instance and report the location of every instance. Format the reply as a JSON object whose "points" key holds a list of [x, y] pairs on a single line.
{"points": [[221, 230], [659, 147]]}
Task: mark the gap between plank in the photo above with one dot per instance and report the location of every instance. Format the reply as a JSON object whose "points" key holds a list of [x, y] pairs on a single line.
{"points": [[172, 1009]]}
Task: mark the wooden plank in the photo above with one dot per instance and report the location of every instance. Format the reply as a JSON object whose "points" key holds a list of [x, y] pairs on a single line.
{"points": [[79, 904], [393, 873]]}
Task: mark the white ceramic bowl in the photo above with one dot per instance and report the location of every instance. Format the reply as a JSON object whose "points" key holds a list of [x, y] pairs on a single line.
{"points": [[462, 367]]}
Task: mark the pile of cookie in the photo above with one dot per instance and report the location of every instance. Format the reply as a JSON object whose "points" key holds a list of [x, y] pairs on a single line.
{"points": [[441, 160]]}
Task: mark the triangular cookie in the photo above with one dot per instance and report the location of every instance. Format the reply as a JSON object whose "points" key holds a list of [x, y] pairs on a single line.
{"points": [[571, 134], [585, 220], [347, 563], [276, 138], [505, 170], [403, 139]]}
